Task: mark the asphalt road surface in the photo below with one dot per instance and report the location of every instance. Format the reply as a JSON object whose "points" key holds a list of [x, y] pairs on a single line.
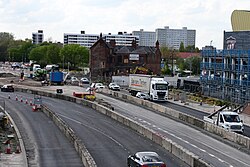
{"points": [[198, 114], [108, 141], [213, 151], [44, 143]]}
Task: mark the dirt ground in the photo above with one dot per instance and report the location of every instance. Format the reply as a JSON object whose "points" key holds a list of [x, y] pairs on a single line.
{"points": [[8, 78]]}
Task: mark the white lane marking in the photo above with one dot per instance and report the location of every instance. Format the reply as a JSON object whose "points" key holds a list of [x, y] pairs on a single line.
{"points": [[191, 144], [111, 138], [212, 155], [202, 150]]}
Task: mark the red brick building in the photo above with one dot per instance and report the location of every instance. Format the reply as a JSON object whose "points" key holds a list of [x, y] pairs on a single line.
{"points": [[108, 59]]}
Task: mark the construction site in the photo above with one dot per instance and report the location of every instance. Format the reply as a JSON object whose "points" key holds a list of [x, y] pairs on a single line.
{"points": [[225, 75]]}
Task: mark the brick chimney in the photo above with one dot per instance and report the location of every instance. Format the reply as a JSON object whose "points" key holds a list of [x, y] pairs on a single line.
{"points": [[157, 45]]}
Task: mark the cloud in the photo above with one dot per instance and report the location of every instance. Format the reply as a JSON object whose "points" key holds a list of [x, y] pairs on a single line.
{"points": [[208, 17]]}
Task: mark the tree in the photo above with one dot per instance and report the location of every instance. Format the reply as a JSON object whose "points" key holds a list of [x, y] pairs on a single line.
{"points": [[5, 40], [74, 54], [182, 48], [193, 64]]}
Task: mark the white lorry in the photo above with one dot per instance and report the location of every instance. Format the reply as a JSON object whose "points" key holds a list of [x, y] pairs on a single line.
{"points": [[155, 87], [228, 120]]}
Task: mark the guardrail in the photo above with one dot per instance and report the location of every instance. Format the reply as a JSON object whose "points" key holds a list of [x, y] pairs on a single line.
{"points": [[177, 150]]}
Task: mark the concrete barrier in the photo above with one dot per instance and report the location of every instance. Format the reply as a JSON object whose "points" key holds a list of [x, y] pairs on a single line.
{"points": [[150, 134], [86, 158], [231, 136]]}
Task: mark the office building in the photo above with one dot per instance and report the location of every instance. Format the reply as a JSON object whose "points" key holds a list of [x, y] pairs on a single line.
{"points": [[37, 37], [239, 40], [88, 40], [147, 38], [172, 38], [226, 74], [82, 39]]}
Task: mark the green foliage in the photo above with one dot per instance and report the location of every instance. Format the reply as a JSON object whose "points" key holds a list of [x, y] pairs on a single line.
{"points": [[165, 70], [182, 48], [19, 50], [5, 40], [75, 55]]}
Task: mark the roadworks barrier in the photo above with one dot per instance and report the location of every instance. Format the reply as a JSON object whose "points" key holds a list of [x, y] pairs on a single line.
{"points": [[183, 154], [84, 154], [231, 136]]}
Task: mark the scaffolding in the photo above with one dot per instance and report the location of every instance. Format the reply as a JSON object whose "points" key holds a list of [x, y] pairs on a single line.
{"points": [[225, 74]]}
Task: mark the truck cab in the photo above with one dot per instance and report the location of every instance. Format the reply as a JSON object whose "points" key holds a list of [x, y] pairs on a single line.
{"points": [[158, 89], [230, 121]]}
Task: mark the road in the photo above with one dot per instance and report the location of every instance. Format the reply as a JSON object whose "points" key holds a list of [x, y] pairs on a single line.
{"points": [[44, 143], [192, 112], [108, 141], [197, 114], [213, 151]]}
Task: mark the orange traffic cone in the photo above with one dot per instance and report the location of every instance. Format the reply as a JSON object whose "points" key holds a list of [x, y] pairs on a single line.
{"points": [[8, 149], [17, 150]]}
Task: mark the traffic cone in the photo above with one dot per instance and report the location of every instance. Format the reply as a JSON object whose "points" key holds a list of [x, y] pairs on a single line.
{"points": [[16, 98], [31, 103], [26, 102], [34, 108], [21, 99], [9, 96], [8, 149], [17, 150]]}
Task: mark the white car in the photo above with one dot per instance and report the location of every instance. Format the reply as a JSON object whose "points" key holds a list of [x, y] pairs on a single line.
{"points": [[114, 86], [97, 85], [142, 95], [84, 80]]}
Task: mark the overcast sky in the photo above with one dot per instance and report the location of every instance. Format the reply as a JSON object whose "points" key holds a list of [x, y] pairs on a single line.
{"points": [[208, 17]]}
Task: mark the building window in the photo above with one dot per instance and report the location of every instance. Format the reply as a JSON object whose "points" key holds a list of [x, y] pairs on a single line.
{"points": [[141, 59], [125, 61]]}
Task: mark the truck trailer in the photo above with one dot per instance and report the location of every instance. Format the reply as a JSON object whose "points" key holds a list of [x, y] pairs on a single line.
{"points": [[155, 87]]}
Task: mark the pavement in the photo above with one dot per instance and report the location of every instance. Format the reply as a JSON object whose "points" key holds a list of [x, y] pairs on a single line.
{"points": [[20, 160]]}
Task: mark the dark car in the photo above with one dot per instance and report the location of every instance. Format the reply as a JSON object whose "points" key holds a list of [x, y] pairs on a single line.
{"points": [[7, 88], [145, 159]]}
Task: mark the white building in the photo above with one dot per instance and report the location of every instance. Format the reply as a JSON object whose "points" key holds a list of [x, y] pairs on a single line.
{"points": [[121, 38], [172, 38], [82, 39], [147, 38], [37, 37], [166, 37], [88, 40]]}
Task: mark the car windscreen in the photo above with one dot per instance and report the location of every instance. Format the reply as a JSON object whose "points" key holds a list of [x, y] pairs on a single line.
{"points": [[161, 86], [231, 118], [149, 158]]}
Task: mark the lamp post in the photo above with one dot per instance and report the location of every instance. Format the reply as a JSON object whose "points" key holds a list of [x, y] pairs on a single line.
{"points": [[172, 70]]}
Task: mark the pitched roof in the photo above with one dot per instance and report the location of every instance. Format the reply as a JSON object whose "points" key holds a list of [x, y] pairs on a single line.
{"points": [[185, 55]]}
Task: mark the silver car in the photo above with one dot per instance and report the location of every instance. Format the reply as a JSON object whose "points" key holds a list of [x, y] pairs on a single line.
{"points": [[145, 159]]}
